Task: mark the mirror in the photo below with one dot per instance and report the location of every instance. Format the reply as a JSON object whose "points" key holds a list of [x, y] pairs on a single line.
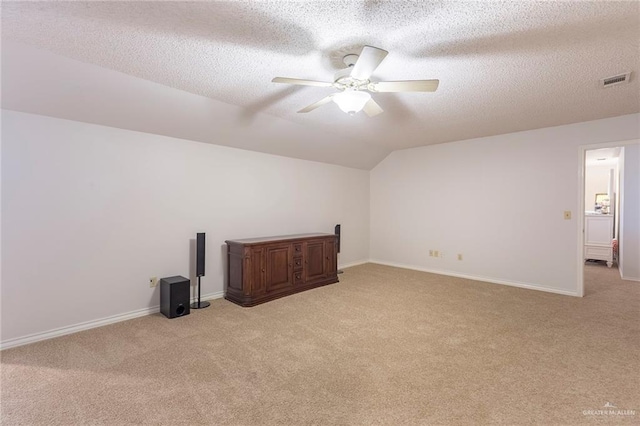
{"points": [[602, 202]]}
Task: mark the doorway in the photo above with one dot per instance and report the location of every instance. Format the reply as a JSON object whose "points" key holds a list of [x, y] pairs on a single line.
{"points": [[601, 216], [606, 171]]}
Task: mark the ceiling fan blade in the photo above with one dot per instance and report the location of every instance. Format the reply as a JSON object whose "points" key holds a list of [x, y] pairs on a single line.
{"points": [[372, 108], [318, 104], [405, 86], [367, 62], [301, 82]]}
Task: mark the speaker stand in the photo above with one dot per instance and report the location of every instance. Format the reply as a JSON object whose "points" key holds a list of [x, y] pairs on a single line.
{"points": [[199, 304]]}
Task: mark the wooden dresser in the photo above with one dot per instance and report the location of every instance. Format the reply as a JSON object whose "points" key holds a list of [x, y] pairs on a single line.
{"points": [[263, 269]]}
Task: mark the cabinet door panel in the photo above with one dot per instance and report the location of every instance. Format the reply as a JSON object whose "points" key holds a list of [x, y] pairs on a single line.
{"points": [[279, 267], [257, 285], [330, 257], [314, 267]]}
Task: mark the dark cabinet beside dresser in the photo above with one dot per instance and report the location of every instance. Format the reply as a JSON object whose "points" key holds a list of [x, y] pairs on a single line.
{"points": [[263, 269]]}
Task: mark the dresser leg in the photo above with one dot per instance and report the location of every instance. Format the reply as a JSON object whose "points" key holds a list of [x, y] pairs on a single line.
{"points": [[609, 264]]}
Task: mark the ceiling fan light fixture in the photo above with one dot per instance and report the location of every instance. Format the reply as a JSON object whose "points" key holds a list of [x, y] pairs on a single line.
{"points": [[351, 101]]}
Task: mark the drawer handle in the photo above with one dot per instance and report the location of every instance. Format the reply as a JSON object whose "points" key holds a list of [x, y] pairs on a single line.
{"points": [[262, 269]]}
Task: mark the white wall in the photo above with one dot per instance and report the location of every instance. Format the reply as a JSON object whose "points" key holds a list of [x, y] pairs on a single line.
{"points": [[596, 181], [629, 261], [89, 213], [498, 201]]}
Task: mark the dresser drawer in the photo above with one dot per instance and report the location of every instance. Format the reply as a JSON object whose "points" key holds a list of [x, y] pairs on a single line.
{"points": [[598, 253]]}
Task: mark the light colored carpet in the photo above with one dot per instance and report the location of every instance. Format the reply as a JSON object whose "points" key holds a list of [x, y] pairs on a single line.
{"points": [[384, 346]]}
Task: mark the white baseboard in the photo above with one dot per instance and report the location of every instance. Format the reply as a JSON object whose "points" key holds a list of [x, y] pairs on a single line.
{"points": [[477, 278], [350, 264], [56, 332], [36, 337], [629, 278]]}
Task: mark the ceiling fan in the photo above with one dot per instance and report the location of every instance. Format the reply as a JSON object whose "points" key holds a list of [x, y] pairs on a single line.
{"points": [[353, 83]]}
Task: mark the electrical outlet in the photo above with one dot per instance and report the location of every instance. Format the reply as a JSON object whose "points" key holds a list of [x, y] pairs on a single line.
{"points": [[567, 214], [436, 253], [459, 256], [153, 281], [431, 253]]}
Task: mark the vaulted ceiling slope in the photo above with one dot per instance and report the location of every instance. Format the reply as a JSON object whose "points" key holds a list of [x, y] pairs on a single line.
{"points": [[503, 66]]}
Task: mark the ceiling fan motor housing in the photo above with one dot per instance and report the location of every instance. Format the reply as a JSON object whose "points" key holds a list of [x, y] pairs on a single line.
{"points": [[343, 77]]}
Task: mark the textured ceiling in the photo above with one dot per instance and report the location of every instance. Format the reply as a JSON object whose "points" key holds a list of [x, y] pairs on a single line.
{"points": [[503, 66]]}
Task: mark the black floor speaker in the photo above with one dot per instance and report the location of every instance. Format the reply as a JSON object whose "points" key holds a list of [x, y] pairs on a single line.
{"points": [[338, 231], [200, 269], [174, 296], [200, 254]]}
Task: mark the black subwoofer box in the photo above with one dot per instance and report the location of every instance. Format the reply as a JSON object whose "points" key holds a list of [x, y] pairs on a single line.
{"points": [[174, 296]]}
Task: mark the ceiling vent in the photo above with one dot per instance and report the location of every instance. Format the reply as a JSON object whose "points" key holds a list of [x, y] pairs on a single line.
{"points": [[616, 79]]}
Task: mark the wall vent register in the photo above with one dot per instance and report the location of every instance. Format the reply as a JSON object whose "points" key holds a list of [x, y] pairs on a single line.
{"points": [[616, 79]]}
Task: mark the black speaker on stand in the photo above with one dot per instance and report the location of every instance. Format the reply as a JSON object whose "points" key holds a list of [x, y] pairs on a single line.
{"points": [[199, 269], [337, 232]]}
